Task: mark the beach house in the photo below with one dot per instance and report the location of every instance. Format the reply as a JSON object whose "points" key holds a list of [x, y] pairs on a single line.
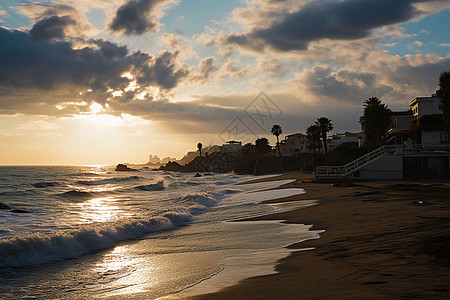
{"points": [[231, 147], [347, 137], [294, 144], [418, 148]]}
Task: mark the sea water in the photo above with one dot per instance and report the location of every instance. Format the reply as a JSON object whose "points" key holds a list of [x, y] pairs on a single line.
{"points": [[94, 232]]}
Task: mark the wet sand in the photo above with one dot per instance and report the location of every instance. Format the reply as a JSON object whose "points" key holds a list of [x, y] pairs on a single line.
{"points": [[393, 244]]}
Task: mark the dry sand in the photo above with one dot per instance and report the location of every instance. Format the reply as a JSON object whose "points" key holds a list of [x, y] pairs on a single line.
{"points": [[390, 245]]}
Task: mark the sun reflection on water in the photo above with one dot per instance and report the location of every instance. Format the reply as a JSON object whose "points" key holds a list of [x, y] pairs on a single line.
{"points": [[101, 210], [121, 273]]}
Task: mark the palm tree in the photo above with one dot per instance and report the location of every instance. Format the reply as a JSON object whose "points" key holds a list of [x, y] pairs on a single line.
{"points": [[443, 94], [375, 120], [313, 135], [276, 131], [199, 147], [325, 126]]}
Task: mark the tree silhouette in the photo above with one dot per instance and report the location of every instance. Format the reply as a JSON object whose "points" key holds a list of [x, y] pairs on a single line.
{"points": [[443, 93], [313, 136], [199, 147], [325, 126], [375, 120], [261, 147], [276, 131]]}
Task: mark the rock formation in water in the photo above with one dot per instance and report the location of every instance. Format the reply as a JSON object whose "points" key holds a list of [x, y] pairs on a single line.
{"points": [[122, 167]]}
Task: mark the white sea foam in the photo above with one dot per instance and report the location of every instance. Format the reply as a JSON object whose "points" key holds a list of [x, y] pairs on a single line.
{"points": [[38, 249], [157, 186]]}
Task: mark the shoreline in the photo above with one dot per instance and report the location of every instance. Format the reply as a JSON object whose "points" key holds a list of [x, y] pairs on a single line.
{"points": [[393, 244]]}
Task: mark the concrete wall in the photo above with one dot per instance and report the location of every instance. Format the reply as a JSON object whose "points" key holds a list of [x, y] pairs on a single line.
{"points": [[387, 167], [431, 137]]}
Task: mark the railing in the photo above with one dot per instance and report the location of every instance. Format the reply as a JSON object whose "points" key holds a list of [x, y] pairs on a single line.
{"points": [[407, 149]]}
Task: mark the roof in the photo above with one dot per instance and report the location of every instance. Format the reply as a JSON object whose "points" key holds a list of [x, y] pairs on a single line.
{"points": [[423, 99], [299, 133], [402, 113]]}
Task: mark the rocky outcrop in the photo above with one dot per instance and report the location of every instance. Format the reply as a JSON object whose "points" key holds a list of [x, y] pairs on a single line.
{"points": [[216, 162], [124, 168], [172, 166]]}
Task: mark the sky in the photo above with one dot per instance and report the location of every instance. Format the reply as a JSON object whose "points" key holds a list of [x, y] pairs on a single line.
{"points": [[112, 81]]}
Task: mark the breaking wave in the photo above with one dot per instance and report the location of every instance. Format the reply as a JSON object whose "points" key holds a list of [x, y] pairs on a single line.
{"points": [[158, 186], [200, 202], [39, 249]]}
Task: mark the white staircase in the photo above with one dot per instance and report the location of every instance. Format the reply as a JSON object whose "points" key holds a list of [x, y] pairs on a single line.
{"points": [[336, 172]]}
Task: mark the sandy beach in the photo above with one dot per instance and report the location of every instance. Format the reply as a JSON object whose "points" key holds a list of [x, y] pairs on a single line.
{"points": [[393, 243]]}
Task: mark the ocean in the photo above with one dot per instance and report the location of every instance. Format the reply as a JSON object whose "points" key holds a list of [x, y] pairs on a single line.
{"points": [[92, 232]]}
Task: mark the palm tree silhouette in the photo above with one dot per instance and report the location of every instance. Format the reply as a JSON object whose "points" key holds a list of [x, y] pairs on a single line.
{"points": [[199, 147], [375, 120], [276, 131], [443, 94], [325, 126]]}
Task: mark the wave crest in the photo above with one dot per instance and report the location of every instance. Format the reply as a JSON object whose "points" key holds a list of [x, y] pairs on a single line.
{"points": [[158, 186], [39, 249]]}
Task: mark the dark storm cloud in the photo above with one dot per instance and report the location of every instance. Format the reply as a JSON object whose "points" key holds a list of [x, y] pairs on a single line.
{"points": [[52, 72], [338, 20], [163, 72], [136, 17], [344, 86], [52, 27]]}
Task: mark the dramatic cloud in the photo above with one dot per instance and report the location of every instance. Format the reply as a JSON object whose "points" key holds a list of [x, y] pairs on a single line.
{"points": [[52, 27], [55, 22], [343, 86], [162, 72], [349, 72], [40, 77], [138, 16], [335, 20]]}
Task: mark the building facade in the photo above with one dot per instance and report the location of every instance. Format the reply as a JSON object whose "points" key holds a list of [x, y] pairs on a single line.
{"points": [[294, 144], [347, 137]]}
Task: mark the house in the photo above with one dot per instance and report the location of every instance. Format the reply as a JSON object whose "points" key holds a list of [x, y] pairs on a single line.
{"points": [[428, 124], [421, 106], [419, 148], [347, 137], [231, 147], [422, 124], [293, 144]]}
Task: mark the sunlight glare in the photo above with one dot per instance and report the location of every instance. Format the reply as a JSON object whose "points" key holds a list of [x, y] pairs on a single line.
{"points": [[100, 210], [96, 108], [123, 273]]}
